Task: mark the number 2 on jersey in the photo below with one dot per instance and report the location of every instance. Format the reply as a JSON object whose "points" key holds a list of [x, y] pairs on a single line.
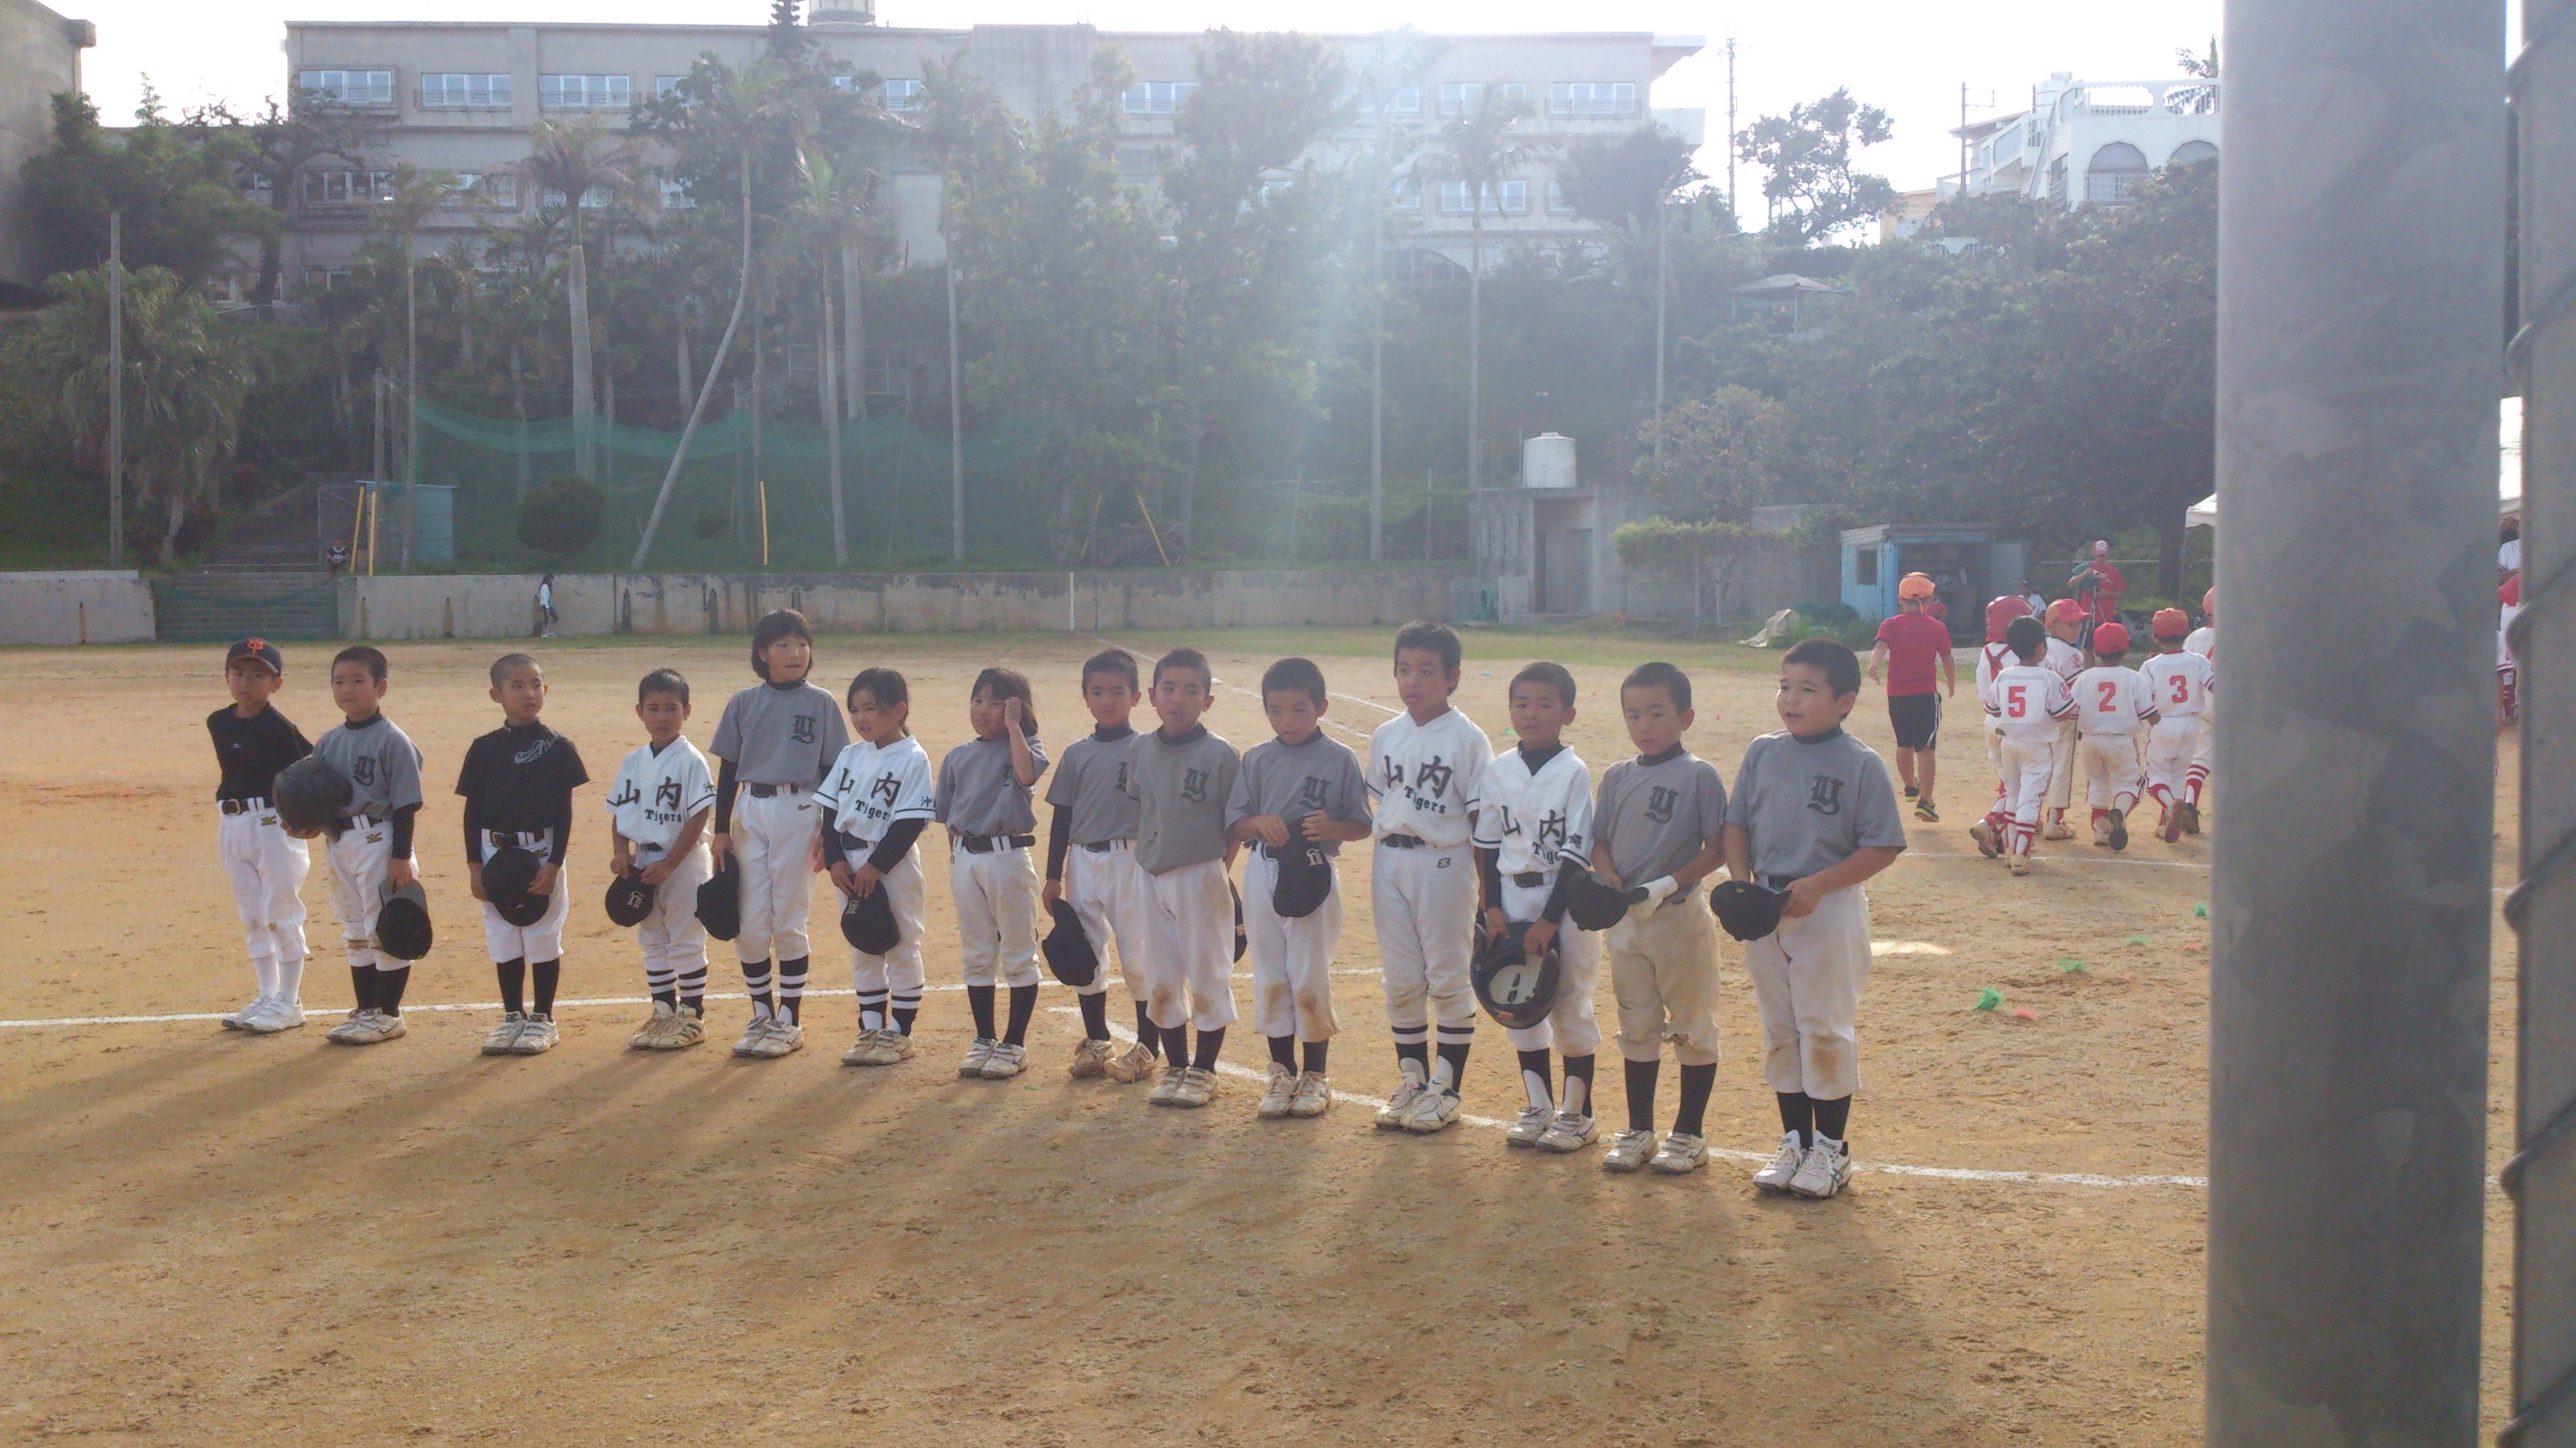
{"points": [[2110, 697]]}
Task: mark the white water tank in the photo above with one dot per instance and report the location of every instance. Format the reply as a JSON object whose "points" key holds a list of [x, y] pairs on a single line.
{"points": [[1547, 461]]}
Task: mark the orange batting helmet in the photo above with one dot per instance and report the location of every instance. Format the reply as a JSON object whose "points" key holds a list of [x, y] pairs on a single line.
{"points": [[1915, 585]]}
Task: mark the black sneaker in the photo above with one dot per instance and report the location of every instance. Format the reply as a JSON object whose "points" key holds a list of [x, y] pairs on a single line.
{"points": [[1911, 791], [2119, 829]]}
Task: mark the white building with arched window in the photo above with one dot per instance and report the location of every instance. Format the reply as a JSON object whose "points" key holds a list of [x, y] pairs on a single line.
{"points": [[2080, 143]]}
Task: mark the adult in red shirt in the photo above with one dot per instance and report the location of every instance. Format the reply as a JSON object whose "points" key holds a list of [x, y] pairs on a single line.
{"points": [[1909, 646], [2097, 587]]}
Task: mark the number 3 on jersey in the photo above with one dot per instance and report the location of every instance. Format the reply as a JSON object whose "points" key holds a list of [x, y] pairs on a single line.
{"points": [[2182, 688]]}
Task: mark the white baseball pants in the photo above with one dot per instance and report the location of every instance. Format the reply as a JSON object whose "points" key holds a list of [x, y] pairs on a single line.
{"points": [[1292, 959], [2203, 755], [894, 980], [2029, 766], [1189, 947], [2061, 777], [773, 848], [1807, 977], [358, 859], [1569, 1028], [673, 942], [1107, 893], [2178, 745], [542, 941], [266, 867], [2113, 774], [997, 915], [1663, 970], [1423, 901]]}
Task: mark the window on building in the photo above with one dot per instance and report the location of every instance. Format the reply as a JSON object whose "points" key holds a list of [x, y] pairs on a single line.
{"points": [[259, 191], [1865, 567], [475, 190], [1407, 192], [585, 92], [902, 94], [1557, 202], [888, 371], [1506, 198], [663, 85], [348, 87], [1592, 98], [325, 277], [2192, 153], [345, 188], [676, 197], [1461, 96], [464, 91], [1137, 162], [594, 199], [2115, 171], [1158, 97]]}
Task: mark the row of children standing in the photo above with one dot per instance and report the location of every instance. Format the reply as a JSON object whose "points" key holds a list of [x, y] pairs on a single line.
{"points": [[1144, 831]]}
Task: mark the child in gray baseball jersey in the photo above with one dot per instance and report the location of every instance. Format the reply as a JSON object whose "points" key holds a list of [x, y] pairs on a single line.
{"points": [[371, 849], [985, 801], [1297, 791], [1180, 777], [1660, 823], [1091, 866], [1815, 817]]}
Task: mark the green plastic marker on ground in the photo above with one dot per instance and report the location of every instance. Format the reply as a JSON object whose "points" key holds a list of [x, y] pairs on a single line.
{"points": [[1990, 1000], [2071, 966]]}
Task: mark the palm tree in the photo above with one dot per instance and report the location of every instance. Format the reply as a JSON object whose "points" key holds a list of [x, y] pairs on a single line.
{"points": [[832, 212], [959, 113], [1626, 184], [415, 194], [1395, 63], [573, 159], [1478, 148]]}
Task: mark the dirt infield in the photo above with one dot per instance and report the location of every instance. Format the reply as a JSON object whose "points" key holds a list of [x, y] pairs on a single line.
{"points": [[217, 1238]]}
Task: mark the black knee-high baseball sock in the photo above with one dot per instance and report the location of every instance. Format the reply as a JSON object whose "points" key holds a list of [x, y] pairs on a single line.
{"points": [[389, 989], [693, 988], [1413, 1043], [1697, 1082], [1798, 1114], [979, 999], [548, 974], [1833, 1118], [514, 983], [1283, 1051], [1024, 1004], [1176, 1044], [1578, 1086], [1210, 1042], [1095, 1015], [1453, 1054], [667, 996], [1641, 1094], [1315, 1053], [791, 988], [362, 983], [1147, 1031], [755, 983], [1535, 1079], [903, 1017]]}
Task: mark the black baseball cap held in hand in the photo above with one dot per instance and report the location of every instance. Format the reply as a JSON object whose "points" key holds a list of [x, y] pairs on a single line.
{"points": [[1305, 874], [1068, 949], [867, 922], [720, 901], [629, 900], [402, 922], [507, 874]]}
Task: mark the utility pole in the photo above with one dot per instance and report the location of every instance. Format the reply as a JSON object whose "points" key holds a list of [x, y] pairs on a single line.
{"points": [[1663, 285], [1963, 138], [2349, 1042], [411, 403], [1732, 209], [115, 389]]}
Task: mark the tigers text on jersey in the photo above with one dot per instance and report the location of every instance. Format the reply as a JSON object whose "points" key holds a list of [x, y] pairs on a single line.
{"points": [[2182, 682], [871, 786], [1529, 818], [655, 794], [1426, 777], [2113, 699], [2029, 701]]}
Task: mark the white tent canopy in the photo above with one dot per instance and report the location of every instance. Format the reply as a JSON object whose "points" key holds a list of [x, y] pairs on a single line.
{"points": [[2204, 514]]}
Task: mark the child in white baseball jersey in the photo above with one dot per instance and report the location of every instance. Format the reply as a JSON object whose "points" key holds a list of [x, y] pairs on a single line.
{"points": [[1660, 823], [371, 846], [1814, 817], [1533, 837], [774, 743], [876, 802], [2066, 621], [657, 811], [1994, 832], [517, 784], [2204, 642], [2508, 673], [1296, 791], [985, 800], [1181, 777], [2114, 707], [2030, 702], [2181, 683], [1426, 768], [264, 864], [1091, 866]]}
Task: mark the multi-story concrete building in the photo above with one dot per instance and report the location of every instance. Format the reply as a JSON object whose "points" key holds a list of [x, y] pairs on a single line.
{"points": [[39, 55], [461, 96], [2080, 143]]}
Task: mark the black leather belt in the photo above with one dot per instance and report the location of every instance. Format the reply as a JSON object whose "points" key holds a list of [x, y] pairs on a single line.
{"points": [[1105, 846], [241, 806], [1780, 883], [515, 839], [1403, 842], [766, 791], [987, 844], [1530, 879], [365, 822]]}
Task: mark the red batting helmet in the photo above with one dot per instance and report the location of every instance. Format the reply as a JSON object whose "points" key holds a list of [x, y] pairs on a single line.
{"points": [[2000, 613], [2171, 623]]}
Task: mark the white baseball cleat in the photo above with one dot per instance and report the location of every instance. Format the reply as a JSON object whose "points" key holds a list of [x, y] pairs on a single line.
{"points": [[1278, 1095], [884, 1046], [688, 1028], [1390, 1117], [1827, 1167], [235, 1020], [2018, 862], [278, 1015], [1006, 1061], [536, 1035], [1091, 1058], [1628, 1151], [655, 1033], [503, 1039], [755, 1031], [783, 1037], [1529, 1126], [1784, 1167], [1314, 1096], [1168, 1091], [1570, 1131], [1680, 1155], [386, 1027], [1197, 1088], [1137, 1063], [1432, 1110], [978, 1056], [350, 1027]]}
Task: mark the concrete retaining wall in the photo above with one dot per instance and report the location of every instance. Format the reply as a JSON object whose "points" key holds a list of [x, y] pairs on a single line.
{"points": [[594, 604], [103, 607]]}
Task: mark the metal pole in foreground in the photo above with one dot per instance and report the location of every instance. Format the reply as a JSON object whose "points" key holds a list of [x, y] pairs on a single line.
{"points": [[2542, 1175], [115, 389], [2360, 284]]}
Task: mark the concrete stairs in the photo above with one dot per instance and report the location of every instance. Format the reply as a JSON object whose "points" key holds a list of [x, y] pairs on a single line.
{"points": [[264, 580]]}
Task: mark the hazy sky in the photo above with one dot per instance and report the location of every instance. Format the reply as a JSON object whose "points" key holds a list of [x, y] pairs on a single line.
{"points": [[1905, 55]]}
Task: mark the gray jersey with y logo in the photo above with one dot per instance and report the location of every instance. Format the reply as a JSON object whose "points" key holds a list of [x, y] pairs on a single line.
{"points": [[1319, 775], [382, 764], [1809, 803], [1655, 815], [978, 793], [1091, 780], [781, 736], [1180, 789]]}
